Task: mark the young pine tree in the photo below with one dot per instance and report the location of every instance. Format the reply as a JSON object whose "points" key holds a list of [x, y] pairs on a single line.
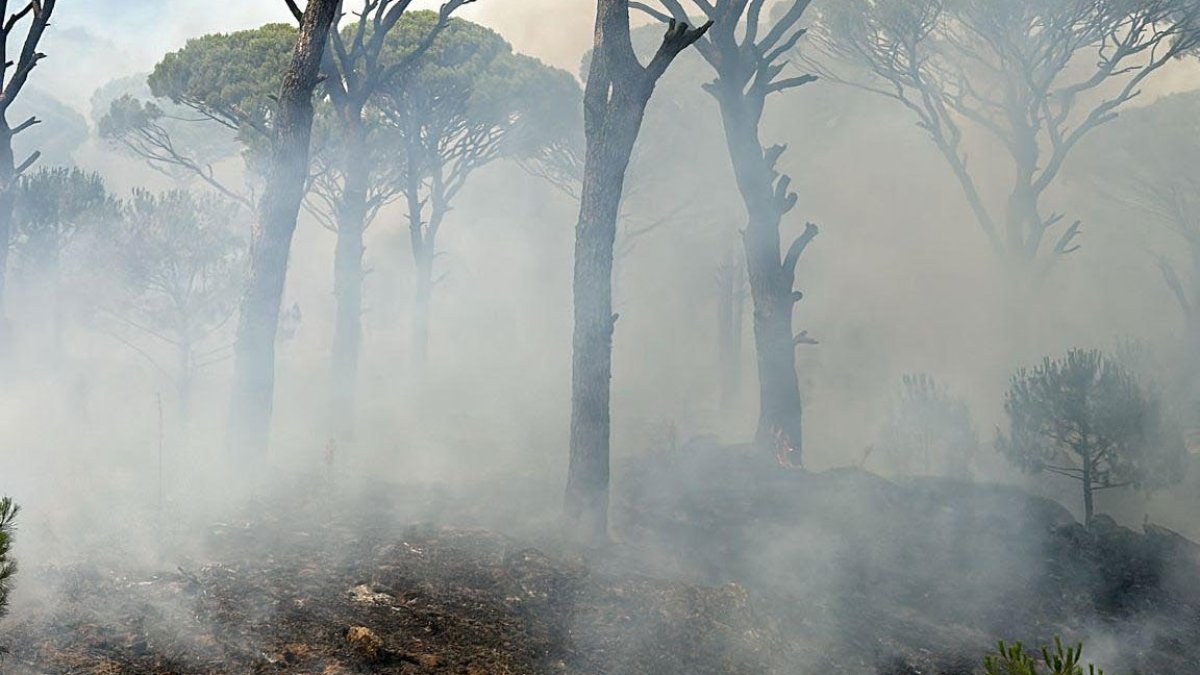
{"points": [[1014, 660], [1086, 417], [930, 430]]}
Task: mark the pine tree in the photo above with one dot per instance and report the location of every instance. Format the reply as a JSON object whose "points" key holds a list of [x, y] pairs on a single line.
{"points": [[1086, 417], [930, 430], [8, 567]]}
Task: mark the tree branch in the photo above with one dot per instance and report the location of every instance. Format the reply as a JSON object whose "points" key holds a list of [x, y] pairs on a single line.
{"points": [[797, 249], [677, 38]]}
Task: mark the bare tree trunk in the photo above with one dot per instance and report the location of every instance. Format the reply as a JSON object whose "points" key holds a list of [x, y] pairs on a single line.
{"points": [[591, 363], [184, 386], [772, 275], [1088, 508], [618, 89], [286, 178], [423, 302], [730, 319], [348, 275], [422, 239]]}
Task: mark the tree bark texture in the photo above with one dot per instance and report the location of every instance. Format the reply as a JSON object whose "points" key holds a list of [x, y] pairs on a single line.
{"points": [[286, 178], [771, 273], [617, 92]]}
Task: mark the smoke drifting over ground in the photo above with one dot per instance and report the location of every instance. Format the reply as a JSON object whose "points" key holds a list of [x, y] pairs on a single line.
{"points": [[898, 537]]}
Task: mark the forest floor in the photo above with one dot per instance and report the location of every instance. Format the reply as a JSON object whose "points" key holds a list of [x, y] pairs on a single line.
{"points": [[725, 563], [306, 589]]}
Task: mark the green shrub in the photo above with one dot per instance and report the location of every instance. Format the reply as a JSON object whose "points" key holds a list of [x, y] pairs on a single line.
{"points": [[1013, 660], [8, 567]]}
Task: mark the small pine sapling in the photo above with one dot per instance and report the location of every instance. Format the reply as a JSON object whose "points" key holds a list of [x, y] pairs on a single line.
{"points": [[1014, 660]]}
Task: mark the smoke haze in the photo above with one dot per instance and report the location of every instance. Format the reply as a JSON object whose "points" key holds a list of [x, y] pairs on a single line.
{"points": [[867, 545]]}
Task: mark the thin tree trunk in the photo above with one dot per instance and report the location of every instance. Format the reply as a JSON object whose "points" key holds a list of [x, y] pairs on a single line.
{"points": [[286, 178], [618, 89], [348, 277], [423, 302], [421, 240], [184, 386], [1088, 508], [730, 318]]}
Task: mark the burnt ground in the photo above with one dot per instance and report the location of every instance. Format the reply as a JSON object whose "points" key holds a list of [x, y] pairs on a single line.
{"points": [[309, 594], [866, 575], [725, 563]]}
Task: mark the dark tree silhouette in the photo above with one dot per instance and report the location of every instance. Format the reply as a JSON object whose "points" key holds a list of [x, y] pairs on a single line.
{"points": [[287, 171], [360, 177], [1087, 418], [470, 102], [749, 66], [14, 74], [617, 91]]}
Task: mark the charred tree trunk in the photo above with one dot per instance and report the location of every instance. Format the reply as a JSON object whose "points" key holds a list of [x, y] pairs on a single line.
{"points": [[618, 89], [772, 274], [286, 178], [348, 276]]}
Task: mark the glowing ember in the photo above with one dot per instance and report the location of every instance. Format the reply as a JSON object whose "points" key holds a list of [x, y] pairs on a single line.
{"points": [[786, 454]]}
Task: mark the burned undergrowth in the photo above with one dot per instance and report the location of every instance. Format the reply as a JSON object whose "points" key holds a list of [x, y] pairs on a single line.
{"points": [[303, 590], [766, 570], [866, 574]]}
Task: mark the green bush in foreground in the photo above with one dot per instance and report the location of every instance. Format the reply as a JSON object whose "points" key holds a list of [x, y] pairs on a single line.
{"points": [[1013, 660], [8, 516]]}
